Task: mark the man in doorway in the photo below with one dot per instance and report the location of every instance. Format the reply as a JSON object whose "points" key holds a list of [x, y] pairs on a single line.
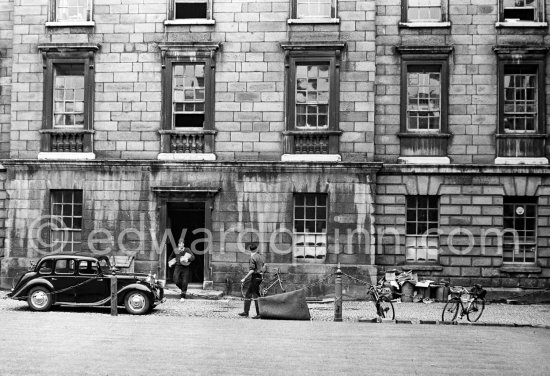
{"points": [[182, 272], [255, 268]]}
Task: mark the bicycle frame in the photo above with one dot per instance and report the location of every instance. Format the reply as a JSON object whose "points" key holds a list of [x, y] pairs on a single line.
{"points": [[272, 282]]}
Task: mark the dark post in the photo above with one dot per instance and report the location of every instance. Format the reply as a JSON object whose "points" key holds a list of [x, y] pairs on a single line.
{"points": [[114, 295], [338, 295]]}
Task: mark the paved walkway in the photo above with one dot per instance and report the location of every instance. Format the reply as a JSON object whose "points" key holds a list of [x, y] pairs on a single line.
{"points": [[67, 343]]}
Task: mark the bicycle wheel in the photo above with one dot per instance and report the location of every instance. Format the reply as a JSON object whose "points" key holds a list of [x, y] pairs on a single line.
{"points": [[384, 308], [244, 287], [475, 309], [450, 311]]}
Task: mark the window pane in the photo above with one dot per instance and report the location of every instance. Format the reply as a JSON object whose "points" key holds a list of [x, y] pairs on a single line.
{"points": [[72, 10], [520, 215], [422, 215], [520, 99], [312, 96], [424, 10], [310, 235], [524, 10], [66, 211], [314, 8], [423, 98], [190, 9], [188, 95], [68, 104]]}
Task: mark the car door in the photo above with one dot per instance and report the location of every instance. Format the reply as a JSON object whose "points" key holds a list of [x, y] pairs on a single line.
{"points": [[93, 286], [64, 280]]}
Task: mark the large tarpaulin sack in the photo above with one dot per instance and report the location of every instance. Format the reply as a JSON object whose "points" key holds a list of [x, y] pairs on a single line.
{"points": [[287, 306]]}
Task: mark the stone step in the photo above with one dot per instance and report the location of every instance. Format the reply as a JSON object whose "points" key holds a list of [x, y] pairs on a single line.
{"points": [[172, 292]]}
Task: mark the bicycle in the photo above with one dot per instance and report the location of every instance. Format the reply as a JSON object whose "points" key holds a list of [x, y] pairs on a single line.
{"points": [[273, 286], [384, 306], [474, 309]]}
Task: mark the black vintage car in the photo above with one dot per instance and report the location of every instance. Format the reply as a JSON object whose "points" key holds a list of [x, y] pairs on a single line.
{"points": [[85, 280]]}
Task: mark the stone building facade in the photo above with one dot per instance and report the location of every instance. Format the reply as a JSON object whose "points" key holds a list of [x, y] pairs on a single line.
{"points": [[131, 115], [461, 126], [330, 131]]}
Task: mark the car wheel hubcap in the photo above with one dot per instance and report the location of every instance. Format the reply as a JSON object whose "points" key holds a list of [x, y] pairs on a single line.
{"points": [[39, 299], [137, 302]]}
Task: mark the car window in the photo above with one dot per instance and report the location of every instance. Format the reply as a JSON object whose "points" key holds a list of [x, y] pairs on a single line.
{"points": [[87, 267], [64, 267], [46, 267]]}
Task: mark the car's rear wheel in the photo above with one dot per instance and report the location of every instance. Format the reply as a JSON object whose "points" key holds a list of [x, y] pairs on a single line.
{"points": [[39, 299], [137, 302]]}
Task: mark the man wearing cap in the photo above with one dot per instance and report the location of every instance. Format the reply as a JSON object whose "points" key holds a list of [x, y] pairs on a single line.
{"points": [[255, 266]]}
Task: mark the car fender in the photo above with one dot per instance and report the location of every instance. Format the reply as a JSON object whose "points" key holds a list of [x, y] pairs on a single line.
{"points": [[29, 285], [135, 286]]}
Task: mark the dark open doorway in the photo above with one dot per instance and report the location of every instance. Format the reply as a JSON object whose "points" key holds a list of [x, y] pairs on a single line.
{"points": [[183, 218]]}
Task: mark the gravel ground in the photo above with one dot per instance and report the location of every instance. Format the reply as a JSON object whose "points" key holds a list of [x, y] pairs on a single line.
{"points": [[352, 310]]}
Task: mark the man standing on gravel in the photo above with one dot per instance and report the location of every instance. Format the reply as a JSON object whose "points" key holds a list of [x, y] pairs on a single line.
{"points": [[255, 266], [184, 258]]}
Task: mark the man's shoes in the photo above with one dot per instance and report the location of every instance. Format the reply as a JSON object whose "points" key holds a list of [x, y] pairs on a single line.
{"points": [[257, 317], [182, 299], [243, 314]]}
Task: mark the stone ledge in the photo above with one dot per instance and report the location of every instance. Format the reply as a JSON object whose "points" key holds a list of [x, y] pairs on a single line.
{"points": [[424, 160], [421, 267], [186, 157], [418, 25], [70, 24], [309, 21], [520, 269], [189, 21], [311, 158], [66, 156], [521, 161], [526, 24]]}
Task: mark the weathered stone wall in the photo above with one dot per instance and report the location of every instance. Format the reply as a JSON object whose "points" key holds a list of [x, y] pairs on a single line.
{"points": [[119, 196], [472, 75], [6, 32], [249, 96], [470, 202]]}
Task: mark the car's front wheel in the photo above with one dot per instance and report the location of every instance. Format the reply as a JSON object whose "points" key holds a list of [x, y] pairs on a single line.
{"points": [[39, 299], [137, 302]]}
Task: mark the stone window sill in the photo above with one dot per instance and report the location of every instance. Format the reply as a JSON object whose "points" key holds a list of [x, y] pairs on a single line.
{"points": [[417, 25], [70, 24], [422, 267], [303, 260], [521, 161], [424, 160], [186, 157], [520, 269], [309, 21], [52, 156], [311, 158], [526, 24], [189, 21]]}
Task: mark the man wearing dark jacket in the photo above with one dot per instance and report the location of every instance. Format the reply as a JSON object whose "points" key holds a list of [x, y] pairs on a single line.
{"points": [[255, 268], [182, 272]]}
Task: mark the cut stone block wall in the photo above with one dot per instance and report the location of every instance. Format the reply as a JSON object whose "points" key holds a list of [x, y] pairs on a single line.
{"points": [[473, 76], [470, 217], [250, 71], [117, 197]]}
